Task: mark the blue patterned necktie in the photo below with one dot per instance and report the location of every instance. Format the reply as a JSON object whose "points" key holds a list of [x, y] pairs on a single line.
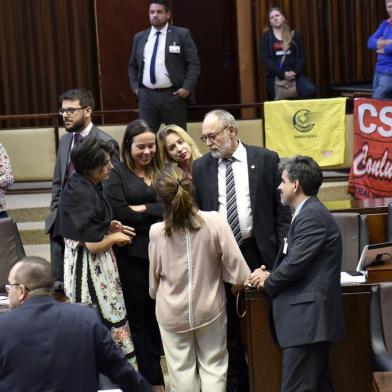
{"points": [[231, 201], [153, 59]]}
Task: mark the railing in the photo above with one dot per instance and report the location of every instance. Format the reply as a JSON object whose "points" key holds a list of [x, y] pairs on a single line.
{"points": [[53, 119]]}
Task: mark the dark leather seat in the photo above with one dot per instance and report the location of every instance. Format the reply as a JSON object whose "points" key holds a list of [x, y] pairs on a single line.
{"points": [[381, 326], [354, 231], [11, 248]]}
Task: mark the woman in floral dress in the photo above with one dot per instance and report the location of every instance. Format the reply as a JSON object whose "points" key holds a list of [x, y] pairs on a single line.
{"points": [[90, 268]]}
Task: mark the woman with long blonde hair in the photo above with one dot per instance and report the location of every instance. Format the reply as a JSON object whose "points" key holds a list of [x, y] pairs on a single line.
{"points": [[283, 55], [177, 146]]}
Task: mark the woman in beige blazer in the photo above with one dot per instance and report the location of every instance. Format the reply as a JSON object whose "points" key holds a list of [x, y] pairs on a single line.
{"points": [[191, 253]]}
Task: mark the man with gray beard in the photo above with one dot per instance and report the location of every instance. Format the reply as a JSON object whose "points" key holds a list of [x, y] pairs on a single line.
{"points": [[240, 182]]}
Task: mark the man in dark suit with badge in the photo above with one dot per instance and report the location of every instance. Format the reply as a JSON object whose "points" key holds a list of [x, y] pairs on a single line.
{"points": [[240, 181], [304, 285], [76, 109], [163, 69]]}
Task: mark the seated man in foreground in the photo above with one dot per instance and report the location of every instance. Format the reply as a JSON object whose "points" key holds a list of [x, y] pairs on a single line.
{"points": [[52, 346], [304, 285]]}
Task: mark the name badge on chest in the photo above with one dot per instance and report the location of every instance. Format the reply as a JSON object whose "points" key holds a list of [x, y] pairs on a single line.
{"points": [[285, 246], [174, 48]]}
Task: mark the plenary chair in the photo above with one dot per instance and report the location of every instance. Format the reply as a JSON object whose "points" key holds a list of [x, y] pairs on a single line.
{"points": [[381, 326], [354, 231], [11, 249]]}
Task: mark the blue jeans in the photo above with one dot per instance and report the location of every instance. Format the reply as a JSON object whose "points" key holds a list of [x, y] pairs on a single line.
{"points": [[382, 85], [3, 214]]}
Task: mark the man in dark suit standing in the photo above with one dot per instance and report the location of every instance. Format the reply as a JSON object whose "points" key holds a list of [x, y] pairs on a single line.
{"points": [[51, 346], [163, 69], [304, 285], [76, 109], [256, 216]]}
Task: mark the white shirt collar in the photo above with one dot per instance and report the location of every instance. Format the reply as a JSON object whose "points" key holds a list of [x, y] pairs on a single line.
{"points": [[298, 209], [239, 154], [86, 130], [163, 30]]}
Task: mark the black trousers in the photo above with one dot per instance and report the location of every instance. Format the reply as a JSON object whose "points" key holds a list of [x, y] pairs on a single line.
{"points": [[305, 368], [237, 375], [141, 315], [57, 256], [161, 106]]}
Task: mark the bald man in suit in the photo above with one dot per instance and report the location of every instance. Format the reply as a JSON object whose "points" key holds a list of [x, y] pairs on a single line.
{"points": [[52, 346]]}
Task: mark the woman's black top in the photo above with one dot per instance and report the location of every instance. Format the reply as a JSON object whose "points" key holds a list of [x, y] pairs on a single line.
{"points": [[83, 213], [122, 189], [272, 52]]}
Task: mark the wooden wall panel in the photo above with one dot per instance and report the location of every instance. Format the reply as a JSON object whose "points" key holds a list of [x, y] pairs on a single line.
{"points": [[117, 21], [49, 46], [213, 25], [46, 47]]}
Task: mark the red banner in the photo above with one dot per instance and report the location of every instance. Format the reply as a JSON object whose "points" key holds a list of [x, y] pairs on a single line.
{"points": [[371, 170]]}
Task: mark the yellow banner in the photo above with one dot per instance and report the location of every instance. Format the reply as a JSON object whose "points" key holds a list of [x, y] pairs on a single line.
{"points": [[307, 127]]}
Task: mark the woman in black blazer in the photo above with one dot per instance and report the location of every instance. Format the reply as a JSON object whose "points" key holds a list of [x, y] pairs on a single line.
{"points": [[131, 194]]}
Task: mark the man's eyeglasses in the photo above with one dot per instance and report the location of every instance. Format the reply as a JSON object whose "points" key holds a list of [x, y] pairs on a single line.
{"points": [[8, 286], [70, 111], [212, 136]]}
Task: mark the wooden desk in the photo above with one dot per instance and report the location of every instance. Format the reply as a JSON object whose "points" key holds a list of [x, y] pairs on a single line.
{"points": [[349, 360], [379, 273], [367, 206], [382, 382]]}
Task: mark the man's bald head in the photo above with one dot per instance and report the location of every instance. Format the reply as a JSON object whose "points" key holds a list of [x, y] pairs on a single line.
{"points": [[28, 277]]}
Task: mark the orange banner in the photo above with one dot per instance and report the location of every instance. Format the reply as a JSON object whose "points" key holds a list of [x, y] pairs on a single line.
{"points": [[371, 170]]}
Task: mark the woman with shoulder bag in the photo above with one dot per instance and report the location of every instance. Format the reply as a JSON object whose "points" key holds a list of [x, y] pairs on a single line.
{"points": [[282, 54]]}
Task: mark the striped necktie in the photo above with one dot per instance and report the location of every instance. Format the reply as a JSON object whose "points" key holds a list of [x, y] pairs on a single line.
{"points": [[231, 201]]}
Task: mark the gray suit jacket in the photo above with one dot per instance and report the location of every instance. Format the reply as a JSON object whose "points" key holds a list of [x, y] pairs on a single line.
{"points": [[60, 169], [304, 285], [183, 67], [271, 219]]}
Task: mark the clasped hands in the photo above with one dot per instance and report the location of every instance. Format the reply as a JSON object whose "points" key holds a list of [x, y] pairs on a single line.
{"points": [[290, 75], [258, 277]]}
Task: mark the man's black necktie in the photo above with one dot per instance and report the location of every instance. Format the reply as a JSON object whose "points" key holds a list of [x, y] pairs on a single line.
{"points": [[70, 169], [153, 59]]}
